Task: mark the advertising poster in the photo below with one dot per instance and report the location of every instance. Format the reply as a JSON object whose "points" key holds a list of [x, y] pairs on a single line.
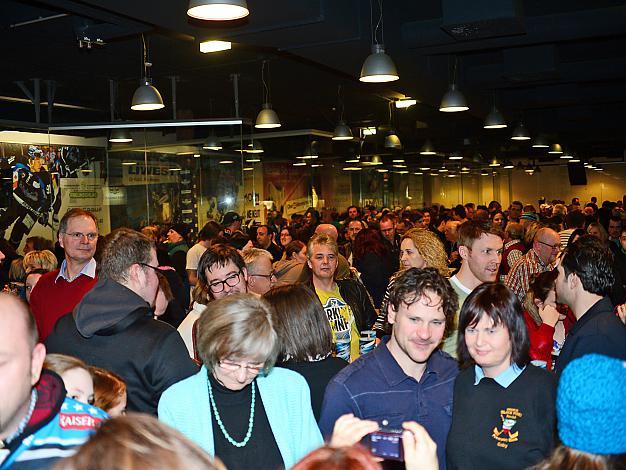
{"points": [[34, 201], [284, 182]]}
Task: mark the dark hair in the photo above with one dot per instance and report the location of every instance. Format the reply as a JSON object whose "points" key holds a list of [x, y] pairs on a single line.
{"points": [[616, 218], [122, 248], [500, 304], [567, 457], [218, 255], [517, 203], [412, 284], [575, 219], [301, 323], [540, 287], [577, 232], [387, 218], [40, 243], [460, 211], [76, 212], [368, 240], [592, 262], [472, 230], [293, 247], [210, 230]]}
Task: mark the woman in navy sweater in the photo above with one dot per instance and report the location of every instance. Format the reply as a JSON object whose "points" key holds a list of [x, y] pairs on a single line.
{"points": [[503, 409]]}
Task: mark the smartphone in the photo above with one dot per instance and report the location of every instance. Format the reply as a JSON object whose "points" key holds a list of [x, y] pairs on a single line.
{"points": [[386, 444]]}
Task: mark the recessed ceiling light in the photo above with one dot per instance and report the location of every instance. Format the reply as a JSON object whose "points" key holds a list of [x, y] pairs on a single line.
{"points": [[214, 46]]}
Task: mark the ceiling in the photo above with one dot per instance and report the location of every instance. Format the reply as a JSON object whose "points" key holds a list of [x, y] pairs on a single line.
{"points": [[560, 66]]}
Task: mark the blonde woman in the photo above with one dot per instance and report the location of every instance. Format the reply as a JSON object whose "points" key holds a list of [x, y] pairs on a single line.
{"points": [[40, 259], [419, 248]]}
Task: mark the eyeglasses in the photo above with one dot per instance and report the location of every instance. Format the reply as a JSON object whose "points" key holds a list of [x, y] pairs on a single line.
{"points": [[231, 281], [156, 268], [555, 247], [232, 366], [271, 275], [78, 236]]}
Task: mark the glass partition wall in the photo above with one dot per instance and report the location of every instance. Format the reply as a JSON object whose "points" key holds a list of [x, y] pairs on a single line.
{"points": [[176, 172]]}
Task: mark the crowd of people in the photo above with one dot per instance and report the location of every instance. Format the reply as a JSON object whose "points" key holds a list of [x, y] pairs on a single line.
{"points": [[464, 338]]}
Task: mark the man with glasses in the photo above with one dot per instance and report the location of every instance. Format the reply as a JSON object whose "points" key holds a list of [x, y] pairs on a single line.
{"points": [[113, 326], [261, 277], [540, 258], [59, 291], [223, 271]]}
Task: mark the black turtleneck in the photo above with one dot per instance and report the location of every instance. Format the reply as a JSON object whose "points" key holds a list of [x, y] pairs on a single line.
{"points": [[261, 451]]}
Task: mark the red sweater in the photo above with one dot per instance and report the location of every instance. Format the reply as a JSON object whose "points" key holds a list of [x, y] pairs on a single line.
{"points": [[49, 301], [542, 337]]}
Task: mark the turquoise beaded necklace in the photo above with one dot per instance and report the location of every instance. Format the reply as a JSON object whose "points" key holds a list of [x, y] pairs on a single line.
{"points": [[221, 425]]}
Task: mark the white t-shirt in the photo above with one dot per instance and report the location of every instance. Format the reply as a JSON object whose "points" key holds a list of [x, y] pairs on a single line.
{"points": [[193, 256]]}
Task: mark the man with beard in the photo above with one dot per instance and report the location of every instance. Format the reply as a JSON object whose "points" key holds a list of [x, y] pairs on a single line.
{"points": [[480, 247], [407, 377]]}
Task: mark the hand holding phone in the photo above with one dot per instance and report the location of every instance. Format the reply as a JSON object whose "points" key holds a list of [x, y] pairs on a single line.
{"points": [[420, 451]]}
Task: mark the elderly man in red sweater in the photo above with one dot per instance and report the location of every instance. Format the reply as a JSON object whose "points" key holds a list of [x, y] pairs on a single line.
{"points": [[59, 291]]}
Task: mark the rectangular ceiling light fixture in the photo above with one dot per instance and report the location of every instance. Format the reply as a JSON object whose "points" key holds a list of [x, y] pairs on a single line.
{"points": [[405, 103], [214, 46]]}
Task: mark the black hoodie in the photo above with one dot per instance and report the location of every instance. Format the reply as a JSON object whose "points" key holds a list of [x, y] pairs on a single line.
{"points": [[113, 328]]}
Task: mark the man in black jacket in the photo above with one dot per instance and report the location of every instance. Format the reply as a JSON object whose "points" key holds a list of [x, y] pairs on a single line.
{"points": [[346, 302], [585, 280], [113, 326]]}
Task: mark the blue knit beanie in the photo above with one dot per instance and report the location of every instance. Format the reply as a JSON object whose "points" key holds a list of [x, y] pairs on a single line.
{"points": [[591, 405]]}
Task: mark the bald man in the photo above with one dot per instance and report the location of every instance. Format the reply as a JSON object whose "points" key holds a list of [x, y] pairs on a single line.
{"points": [[38, 423], [540, 258]]}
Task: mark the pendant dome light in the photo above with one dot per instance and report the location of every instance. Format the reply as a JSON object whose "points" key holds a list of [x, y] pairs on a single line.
{"points": [[378, 66], [427, 148], [218, 10], [494, 119], [520, 132], [453, 101], [342, 130], [212, 143], [120, 136], [267, 117], [392, 141], [146, 97], [555, 149], [540, 142]]}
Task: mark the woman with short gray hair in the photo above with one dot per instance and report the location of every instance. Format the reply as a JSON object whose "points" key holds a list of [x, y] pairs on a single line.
{"points": [[239, 407]]}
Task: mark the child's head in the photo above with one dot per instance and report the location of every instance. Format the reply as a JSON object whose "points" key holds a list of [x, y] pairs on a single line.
{"points": [[75, 374], [109, 391]]}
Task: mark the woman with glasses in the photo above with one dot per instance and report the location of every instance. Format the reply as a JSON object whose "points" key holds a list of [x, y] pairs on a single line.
{"points": [[239, 407], [503, 409]]}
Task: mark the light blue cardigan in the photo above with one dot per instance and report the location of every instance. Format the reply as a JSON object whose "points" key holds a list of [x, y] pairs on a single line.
{"points": [[286, 397]]}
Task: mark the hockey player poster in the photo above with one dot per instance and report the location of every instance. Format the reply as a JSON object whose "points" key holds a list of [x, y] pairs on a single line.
{"points": [[35, 201]]}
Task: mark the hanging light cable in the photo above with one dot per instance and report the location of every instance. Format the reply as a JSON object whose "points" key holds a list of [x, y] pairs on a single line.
{"points": [[267, 117], [378, 66], [146, 97], [342, 130]]}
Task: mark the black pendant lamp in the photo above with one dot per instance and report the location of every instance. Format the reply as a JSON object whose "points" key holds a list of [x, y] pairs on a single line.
{"points": [[378, 67], [146, 96], [267, 117]]}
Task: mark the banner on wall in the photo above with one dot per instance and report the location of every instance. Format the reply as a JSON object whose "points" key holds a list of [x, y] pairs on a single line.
{"points": [[282, 183], [153, 173], [296, 206], [34, 201], [87, 194]]}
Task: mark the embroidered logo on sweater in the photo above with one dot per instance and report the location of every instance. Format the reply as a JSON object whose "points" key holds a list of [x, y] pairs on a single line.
{"points": [[506, 435]]}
